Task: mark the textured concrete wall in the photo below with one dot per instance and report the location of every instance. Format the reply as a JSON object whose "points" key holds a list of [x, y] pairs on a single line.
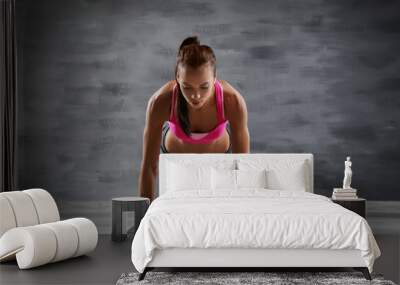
{"points": [[318, 76]]}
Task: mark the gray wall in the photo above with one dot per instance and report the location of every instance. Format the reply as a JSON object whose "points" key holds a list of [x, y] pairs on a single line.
{"points": [[317, 76]]}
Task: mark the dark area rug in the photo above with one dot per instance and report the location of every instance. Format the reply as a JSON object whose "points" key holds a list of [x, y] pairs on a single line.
{"points": [[225, 278]]}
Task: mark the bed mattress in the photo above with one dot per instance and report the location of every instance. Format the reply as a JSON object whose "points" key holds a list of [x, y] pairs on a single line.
{"points": [[253, 218]]}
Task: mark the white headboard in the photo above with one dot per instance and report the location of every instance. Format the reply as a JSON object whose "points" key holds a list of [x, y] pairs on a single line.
{"points": [[164, 157]]}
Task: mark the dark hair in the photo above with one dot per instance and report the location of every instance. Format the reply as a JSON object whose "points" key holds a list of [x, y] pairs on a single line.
{"points": [[194, 55]]}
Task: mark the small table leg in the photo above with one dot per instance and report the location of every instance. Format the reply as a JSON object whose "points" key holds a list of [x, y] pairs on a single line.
{"points": [[116, 234], [138, 205], [140, 211]]}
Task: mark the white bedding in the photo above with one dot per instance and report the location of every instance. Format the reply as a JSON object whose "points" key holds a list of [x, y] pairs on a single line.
{"points": [[250, 218]]}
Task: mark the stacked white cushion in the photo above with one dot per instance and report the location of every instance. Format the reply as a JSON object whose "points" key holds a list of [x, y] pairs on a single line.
{"points": [[52, 242], [28, 208], [23, 208], [32, 246], [45, 205], [87, 233], [7, 219], [31, 232], [66, 236], [281, 174]]}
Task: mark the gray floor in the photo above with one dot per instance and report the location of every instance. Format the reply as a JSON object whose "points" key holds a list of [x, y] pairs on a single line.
{"points": [[102, 266], [110, 259]]}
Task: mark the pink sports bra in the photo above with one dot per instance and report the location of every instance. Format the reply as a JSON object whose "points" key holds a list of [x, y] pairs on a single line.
{"points": [[200, 138]]}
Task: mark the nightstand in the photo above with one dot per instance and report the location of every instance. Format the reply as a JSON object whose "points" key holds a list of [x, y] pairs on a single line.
{"points": [[138, 205], [355, 205]]}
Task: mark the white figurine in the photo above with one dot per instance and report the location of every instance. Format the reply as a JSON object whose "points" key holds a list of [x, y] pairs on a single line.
{"points": [[347, 174]]}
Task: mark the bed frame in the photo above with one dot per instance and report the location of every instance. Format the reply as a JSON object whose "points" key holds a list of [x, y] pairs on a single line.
{"points": [[243, 259]]}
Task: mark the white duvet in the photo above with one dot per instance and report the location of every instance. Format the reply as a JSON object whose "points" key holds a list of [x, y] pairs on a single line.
{"points": [[250, 218]]}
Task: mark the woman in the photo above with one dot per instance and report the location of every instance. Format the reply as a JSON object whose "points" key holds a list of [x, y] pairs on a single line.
{"points": [[191, 114]]}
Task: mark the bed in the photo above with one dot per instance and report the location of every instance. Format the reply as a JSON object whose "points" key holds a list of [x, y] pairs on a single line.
{"points": [[245, 211]]}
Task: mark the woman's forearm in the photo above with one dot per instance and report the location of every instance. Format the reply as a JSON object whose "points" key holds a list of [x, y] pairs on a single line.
{"points": [[146, 183]]}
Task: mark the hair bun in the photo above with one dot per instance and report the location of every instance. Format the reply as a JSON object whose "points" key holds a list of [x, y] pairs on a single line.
{"points": [[190, 41]]}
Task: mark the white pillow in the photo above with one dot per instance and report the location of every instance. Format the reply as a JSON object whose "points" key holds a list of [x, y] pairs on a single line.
{"points": [[281, 174], [220, 163], [188, 163], [251, 178], [223, 179], [229, 179], [183, 177]]}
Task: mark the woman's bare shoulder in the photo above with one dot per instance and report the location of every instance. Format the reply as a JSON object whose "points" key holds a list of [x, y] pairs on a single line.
{"points": [[160, 102], [233, 100], [164, 92]]}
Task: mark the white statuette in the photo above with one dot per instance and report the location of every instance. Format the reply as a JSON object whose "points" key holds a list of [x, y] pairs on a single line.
{"points": [[348, 173]]}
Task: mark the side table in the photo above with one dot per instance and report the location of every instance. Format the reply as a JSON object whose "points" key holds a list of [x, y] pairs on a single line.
{"points": [[355, 205], [138, 205]]}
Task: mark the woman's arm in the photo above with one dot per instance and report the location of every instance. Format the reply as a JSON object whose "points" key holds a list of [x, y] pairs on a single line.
{"points": [[156, 114], [236, 113]]}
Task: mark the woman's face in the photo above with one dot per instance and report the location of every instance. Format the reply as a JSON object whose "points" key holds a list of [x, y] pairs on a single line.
{"points": [[197, 84]]}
